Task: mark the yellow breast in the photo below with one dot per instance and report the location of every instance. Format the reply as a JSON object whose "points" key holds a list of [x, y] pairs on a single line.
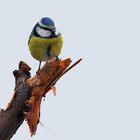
{"points": [[39, 47]]}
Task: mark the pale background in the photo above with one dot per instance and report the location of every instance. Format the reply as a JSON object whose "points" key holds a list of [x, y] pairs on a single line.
{"points": [[100, 98]]}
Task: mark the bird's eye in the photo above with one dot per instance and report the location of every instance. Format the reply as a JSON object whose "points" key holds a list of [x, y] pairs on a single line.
{"points": [[43, 32]]}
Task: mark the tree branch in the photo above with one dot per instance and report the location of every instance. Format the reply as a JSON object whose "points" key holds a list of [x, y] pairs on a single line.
{"points": [[28, 93]]}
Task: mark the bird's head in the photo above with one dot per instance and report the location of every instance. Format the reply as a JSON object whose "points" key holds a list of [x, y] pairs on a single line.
{"points": [[46, 28]]}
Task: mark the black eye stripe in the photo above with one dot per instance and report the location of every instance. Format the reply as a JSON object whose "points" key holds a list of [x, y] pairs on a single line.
{"points": [[45, 28], [47, 31]]}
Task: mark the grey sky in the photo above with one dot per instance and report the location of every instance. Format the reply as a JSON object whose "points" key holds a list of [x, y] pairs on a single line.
{"points": [[98, 99]]}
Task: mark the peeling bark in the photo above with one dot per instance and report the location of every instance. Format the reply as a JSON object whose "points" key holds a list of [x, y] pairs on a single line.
{"points": [[28, 93]]}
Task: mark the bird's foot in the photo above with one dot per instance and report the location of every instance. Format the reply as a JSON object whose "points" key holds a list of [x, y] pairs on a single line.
{"points": [[38, 73], [57, 58]]}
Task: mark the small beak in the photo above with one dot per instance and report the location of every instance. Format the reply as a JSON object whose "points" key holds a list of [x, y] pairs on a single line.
{"points": [[54, 33]]}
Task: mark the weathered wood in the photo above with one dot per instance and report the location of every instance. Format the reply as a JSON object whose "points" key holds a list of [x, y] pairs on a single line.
{"points": [[28, 94], [13, 117]]}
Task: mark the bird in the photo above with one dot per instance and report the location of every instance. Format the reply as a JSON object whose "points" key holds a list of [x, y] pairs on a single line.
{"points": [[45, 42]]}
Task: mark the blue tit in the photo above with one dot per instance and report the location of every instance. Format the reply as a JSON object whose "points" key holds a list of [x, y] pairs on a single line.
{"points": [[45, 43]]}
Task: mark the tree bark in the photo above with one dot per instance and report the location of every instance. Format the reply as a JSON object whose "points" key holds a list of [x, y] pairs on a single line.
{"points": [[28, 94], [13, 117]]}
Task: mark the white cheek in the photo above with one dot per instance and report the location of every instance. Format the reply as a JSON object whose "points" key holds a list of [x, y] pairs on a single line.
{"points": [[42, 32]]}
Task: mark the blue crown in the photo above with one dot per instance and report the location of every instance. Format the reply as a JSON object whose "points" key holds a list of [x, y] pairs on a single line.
{"points": [[47, 22]]}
